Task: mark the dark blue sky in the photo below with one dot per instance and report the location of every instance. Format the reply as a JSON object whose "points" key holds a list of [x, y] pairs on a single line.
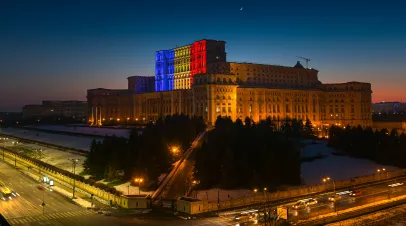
{"points": [[56, 50]]}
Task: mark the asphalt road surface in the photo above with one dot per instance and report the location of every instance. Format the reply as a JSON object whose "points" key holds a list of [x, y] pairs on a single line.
{"points": [[59, 210], [178, 186], [370, 194]]}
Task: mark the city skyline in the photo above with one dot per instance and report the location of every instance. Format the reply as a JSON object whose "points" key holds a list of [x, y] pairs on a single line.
{"points": [[58, 51]]}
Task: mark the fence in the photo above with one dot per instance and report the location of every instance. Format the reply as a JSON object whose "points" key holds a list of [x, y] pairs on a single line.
{"points": [[300, 192], [99, 194]]}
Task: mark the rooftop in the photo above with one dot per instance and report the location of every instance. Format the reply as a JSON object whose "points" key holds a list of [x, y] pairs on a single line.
{"points": [[275, 65], [210, 40]]}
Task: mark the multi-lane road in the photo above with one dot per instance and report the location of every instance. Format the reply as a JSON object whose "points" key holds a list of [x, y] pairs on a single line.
{"points": [[59, 210], [369, 194]]}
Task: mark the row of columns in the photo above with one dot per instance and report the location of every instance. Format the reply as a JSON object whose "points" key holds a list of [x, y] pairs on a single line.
{"points": [[96, 116]]}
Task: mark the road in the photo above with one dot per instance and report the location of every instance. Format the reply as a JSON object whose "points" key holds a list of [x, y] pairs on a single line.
{"points": [[178, 185], [370, 194], [27, 207], [59, 210]]}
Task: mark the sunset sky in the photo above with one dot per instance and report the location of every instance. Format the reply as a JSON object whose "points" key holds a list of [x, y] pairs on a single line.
{"points": [[50, 50]]}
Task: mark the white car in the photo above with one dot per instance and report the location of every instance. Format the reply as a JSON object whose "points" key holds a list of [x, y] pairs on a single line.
{"points": [[311, 202], [299, 205]]}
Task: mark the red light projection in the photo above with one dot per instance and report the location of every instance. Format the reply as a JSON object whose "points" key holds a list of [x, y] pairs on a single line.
{"points": [[198, 59]]}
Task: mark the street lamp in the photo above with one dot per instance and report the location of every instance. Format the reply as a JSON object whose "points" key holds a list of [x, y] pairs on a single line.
{"points": [[15, 154], [382, 170], [74, 162], [40, 157], [175, 150], [139, 180], [326, 179]]}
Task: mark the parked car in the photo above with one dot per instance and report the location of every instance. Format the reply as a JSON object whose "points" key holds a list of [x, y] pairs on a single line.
{"points": [[355, 193], [334, 198]]}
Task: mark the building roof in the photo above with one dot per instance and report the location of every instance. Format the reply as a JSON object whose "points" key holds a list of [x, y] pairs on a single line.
{"points": [[210, 40], [273, 65]]}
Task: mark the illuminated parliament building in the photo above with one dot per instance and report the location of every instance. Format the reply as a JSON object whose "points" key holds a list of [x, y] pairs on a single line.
{"points": [[196, 79]]}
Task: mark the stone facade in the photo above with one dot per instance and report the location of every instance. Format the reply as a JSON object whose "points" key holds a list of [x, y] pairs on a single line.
{"points": [[238, 90]]}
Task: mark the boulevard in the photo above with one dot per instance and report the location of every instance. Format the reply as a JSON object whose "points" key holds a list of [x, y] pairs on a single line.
{"points": [[369, 194]]}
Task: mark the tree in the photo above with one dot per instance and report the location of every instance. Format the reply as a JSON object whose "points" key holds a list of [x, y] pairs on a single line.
{"points": [[308, 128]]}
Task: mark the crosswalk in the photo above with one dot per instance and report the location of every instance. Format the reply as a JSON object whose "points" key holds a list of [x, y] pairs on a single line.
{"points": [[48, 216]]}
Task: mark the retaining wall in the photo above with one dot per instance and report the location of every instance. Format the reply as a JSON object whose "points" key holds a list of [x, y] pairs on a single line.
{"points": [[298, 192]]}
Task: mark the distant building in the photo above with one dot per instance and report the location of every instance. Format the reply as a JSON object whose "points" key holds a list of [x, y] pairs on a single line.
{"points": [[388, 108], [197, 80], [69, 109], [141, 84]]}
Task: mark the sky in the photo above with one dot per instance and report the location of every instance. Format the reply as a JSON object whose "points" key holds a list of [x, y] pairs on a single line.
{"points": [[56, 50]]}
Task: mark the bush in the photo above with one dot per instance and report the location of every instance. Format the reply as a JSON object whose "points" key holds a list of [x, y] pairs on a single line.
{"points": [[90, 181]]}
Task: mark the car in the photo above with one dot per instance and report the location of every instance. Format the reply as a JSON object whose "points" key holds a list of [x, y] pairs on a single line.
{"points": [[6, 196], [355, 193], [40, 187], [299, 205], [334, 198], [311, 202]]}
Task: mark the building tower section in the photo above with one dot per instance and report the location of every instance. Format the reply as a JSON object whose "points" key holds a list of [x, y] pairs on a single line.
{"points": [[176, 68], [182, 67], [164, 69]]}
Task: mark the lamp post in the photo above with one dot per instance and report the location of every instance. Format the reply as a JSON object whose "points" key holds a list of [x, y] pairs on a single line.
{"points": [[139, 180], [74, 162], [382, 170], [40, 157], [15, 154], [43, 201], [326, 179]]}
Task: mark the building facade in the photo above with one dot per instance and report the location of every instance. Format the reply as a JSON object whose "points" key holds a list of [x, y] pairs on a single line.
{"points": [[70, 109], [196, 80], [141, 84], [176, 68], [389, 108]]}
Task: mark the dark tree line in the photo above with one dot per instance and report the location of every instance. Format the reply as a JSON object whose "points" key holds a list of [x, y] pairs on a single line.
{"points": [[146, 154], [247, 155], [382, 146]]}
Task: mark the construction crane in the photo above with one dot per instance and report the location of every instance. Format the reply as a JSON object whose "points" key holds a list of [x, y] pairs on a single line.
{"points": [[306, 59]]}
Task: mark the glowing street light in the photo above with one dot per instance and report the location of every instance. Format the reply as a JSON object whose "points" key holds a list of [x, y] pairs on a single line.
{"points": [[383, 170], [326, 179], [174, 150], [139, 181]]}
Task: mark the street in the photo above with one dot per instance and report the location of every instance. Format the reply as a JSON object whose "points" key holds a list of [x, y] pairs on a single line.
{"points": [[59, 210], [177, 186], [370, 194]]}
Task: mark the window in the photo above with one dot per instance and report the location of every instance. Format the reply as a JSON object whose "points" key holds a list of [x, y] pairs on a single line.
{"points": [[217, 109], [250, 108]]}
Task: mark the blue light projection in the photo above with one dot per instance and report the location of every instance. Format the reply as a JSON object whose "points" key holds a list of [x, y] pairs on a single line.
{"points": [[164, 69]]}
